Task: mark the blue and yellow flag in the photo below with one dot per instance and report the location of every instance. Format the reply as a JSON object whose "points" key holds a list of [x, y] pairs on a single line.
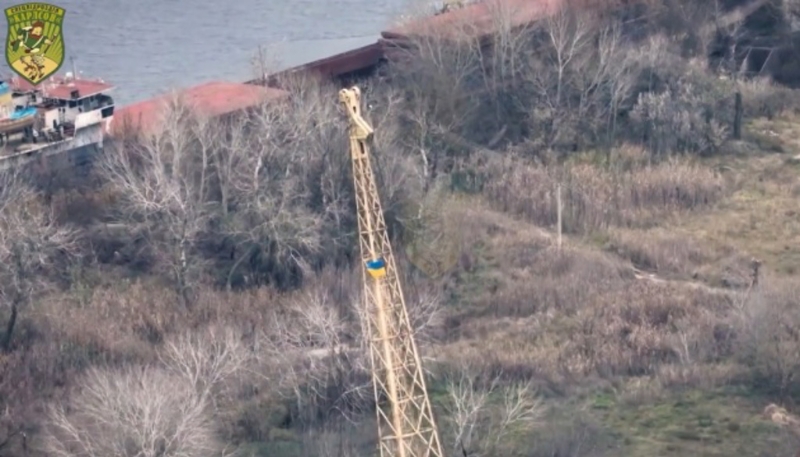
{"points": [[377, 268]]}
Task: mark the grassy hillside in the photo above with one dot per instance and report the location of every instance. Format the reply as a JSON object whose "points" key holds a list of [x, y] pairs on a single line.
{"points": [[640, 332]]}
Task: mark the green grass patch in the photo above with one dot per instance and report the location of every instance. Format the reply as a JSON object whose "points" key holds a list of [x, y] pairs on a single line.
{"points": [[697, 423]]}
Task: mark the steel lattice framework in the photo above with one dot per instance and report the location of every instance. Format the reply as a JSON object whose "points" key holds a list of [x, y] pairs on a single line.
{"points": [[408, 428]]}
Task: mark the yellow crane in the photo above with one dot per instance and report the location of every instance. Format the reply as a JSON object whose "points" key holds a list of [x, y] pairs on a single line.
{"points": [[408, 429]]}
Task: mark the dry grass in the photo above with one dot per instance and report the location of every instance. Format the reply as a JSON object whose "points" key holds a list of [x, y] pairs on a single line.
{"points": [[761, 217], [583, 320], [698, 422], [681, 219], [585, 312], [659, 250], [127, 320], [680, 254], [589, 317], [649, 297], [594, 198], [575, 315]]}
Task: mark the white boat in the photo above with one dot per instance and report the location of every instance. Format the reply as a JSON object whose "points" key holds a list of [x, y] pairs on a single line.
{"points": [[55, 111]]}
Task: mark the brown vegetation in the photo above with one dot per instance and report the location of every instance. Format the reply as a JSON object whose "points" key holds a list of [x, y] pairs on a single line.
{"points": [[196, 292]]}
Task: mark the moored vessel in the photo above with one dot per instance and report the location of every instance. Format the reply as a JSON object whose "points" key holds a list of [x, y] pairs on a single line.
{"points": [[33, 117]]}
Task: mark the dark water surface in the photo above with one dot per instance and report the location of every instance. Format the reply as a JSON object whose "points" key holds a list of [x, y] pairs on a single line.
{"points": [[147, 47]]}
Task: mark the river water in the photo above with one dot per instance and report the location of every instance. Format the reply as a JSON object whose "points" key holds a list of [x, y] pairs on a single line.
{"points": [[148, 47]]}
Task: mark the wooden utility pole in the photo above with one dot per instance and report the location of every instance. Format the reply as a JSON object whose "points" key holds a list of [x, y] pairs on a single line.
{"points": [[558, 212], [737, 117]]}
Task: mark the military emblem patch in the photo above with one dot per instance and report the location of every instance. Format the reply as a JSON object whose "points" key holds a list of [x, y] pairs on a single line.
{"points": [[35, 43]]}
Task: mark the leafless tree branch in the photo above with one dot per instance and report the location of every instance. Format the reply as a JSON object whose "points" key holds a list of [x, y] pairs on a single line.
{"points": [[478, 424], [206, 360], [162, 189], [31, 243], [144, 411]]}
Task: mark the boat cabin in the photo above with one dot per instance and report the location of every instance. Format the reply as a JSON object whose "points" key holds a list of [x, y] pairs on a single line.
{"points": [[68, 101]]}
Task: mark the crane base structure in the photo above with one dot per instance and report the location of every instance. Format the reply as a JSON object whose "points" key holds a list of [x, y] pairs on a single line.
{"points": [[408, 428]]}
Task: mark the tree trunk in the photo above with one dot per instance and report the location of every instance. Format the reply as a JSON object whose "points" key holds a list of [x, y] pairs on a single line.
{"points": [[12, 323], [236, 266], [737, 119]]}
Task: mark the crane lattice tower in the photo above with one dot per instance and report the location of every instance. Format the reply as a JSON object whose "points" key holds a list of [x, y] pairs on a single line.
{"points": [[408, 428]]}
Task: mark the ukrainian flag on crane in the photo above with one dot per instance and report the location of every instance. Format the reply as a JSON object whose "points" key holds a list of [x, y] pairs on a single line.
{"points": [[377, 268]]}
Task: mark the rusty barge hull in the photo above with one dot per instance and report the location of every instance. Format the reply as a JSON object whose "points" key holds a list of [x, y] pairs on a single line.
{"points": [[338, 66], [477, 19]]}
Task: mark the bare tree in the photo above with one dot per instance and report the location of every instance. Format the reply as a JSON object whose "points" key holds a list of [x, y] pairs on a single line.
{"points": [[207, 136], [478, 425], [426, 314], [565, 38], [231, 153], [398, 158], [323, 370], [510, 46], [467, 409], [143, 412], [278, 171], [309, 325], [616, 76], [277, 221], [31, 245], [315, 354], [268, 182], [162, 189], [441, 72], [577, 72], [205, 360], [265, 62]]}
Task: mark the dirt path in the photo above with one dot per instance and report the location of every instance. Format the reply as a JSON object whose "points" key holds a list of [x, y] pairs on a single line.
{"points": [[692, 284]]}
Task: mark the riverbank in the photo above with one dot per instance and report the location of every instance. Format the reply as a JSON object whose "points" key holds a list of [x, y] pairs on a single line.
{"points": [[360, 61]]}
